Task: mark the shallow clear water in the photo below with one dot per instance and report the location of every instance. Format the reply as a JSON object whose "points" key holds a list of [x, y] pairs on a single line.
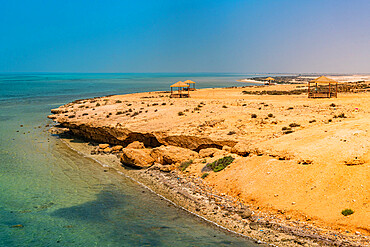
{"points": [[63, 199]]}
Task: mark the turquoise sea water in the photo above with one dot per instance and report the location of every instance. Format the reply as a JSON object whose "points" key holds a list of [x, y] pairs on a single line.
{"points": [[63, 199]]}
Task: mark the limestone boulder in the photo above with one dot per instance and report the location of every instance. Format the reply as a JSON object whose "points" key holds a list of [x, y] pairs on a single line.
{"points": [[117, 148], [103, 146], [241, 148], [136, 145], [138, 158], [172, 154], [226, 148], [207, 152]]}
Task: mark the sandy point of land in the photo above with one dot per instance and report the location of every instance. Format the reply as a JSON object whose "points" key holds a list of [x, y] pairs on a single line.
{"points": [[305, 159]]}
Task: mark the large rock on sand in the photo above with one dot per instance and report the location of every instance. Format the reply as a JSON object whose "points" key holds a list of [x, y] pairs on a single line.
{"points": [[103, 146], [208, 152], [241, 148], [139, 158], [136, 145], [171, 154]]}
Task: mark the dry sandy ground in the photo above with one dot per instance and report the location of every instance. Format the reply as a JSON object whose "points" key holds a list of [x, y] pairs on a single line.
{"points": [[310, 175]]}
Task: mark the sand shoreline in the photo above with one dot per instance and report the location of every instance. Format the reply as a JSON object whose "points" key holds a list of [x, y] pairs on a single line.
{"points": [[259, 228], [286, 140]]}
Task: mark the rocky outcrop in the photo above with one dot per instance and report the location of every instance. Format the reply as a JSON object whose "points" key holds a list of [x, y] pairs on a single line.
{"points": [[241, 148], [138, 158], [123, 136], [136, 145], [172, 155], [103, 146], [208, 152]]}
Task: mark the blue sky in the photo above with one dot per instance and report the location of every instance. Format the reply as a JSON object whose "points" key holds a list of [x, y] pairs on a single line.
{"points": [[185, 36]]}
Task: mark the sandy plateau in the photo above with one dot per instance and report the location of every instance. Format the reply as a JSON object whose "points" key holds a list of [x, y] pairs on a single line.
{"points": [[298, 162]]}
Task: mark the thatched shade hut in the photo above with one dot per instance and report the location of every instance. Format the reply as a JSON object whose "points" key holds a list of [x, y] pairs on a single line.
{"points": [[190, 82], [269, 79], [182, 90], [322, 87]]}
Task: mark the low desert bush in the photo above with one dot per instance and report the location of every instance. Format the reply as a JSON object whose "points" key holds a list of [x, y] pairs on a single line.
{"points": [[294, 125], [342, 115], [254, 115], [220, 164], [185, 165], [118, 101], [347, 211], [180, 113], [204, 175]]}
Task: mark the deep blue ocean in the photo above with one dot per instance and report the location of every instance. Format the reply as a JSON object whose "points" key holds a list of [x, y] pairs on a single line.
{"points": [[52, 196]]}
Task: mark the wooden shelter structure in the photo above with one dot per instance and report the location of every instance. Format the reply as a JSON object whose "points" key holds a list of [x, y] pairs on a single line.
{"points": [[269, 79], [322, 87], [190, 82], [182, 90]]}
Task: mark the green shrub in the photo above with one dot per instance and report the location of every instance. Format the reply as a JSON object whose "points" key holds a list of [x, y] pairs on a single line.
{"points": [[347, 211], [290, 108], [118, 101], [204, 161], [332, 105], [286, 128], [220, 164], [204, 175], [294, 125], [185, 165], [270, 115], [196, 109], [312, 121], [224, 106], [180, 113], [254, 115], [97, 104]]}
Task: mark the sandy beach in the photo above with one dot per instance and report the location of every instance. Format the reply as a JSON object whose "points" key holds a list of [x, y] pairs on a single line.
{"points": [[297, 162]]}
